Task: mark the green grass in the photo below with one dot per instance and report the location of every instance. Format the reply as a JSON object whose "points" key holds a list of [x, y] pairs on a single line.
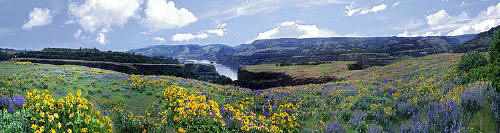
{"points": [[9, 67], [93, 87]]}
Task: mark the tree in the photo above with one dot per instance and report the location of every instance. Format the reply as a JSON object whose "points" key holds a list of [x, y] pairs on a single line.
{"points": [[494, 50], [472, 60]]}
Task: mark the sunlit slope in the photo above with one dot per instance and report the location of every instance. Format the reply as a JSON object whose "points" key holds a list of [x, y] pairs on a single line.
{"points": [[414, 95]]}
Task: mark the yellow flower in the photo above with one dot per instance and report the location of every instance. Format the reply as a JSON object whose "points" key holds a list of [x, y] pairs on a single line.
{"points": [[52, 130], [59, 125], [33, 126], [181, 130], [41, 128], [69, 131], [388, 111], [50, 118], [42, 114], [56, 116], [83, 130], [78, 93]]}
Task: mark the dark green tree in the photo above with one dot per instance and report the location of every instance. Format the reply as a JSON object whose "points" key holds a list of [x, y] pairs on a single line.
{"points": [[494, 50], [472, 60]]}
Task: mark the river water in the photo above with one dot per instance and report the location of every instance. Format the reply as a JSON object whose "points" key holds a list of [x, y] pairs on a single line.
{"points": [[226, 71], [221, 69]]}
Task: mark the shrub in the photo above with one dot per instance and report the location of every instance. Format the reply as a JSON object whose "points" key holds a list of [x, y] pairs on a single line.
{"points": [[286, 64], [354, 67], [489, 72], [472, 60], [5, 56], [494, 51], [303, 63]]}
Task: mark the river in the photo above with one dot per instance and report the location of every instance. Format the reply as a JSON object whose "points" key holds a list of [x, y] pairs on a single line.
{"points": [[221, 69]]}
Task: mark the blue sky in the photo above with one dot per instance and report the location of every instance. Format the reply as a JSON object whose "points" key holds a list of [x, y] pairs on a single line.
{"points": [[127, 24]]}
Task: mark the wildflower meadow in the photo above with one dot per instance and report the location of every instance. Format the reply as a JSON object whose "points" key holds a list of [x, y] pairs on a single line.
{"points": [[422, 94]]}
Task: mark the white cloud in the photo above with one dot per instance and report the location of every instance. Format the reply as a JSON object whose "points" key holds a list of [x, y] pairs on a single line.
{"points": [[188, 36], [161, 14], [159, 39], [414, 23], [442, 20], [292, 29], [396, 4], [221, 25], [101, 37], [96, 14], [219, 31], [476, 27], [442, 23], [351, 11], [77, 34], [38, 17], [252, 7], [310, 3], [484, 21], [428, 33]]}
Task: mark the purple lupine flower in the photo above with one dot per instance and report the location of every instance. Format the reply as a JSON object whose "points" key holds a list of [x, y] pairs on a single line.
{"points": [[333, 128], [11, 108], [18, 100], [105, 95], [4, 100]]}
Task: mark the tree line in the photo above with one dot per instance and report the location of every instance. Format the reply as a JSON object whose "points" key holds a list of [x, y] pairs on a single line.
{"points": [[92, 55]]}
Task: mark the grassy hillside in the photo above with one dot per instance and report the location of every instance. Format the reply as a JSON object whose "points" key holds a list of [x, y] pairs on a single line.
{"points": [[415, 95], [333, 68]]}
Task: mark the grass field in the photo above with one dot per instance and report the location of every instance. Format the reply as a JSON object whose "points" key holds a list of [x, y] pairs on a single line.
{"points": [[334, 68], [415, 95]]}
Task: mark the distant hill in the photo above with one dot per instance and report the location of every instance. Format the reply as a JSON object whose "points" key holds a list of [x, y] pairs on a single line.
{"points": [[191, 51], [94, 55], [368, 50], [480, 43]]}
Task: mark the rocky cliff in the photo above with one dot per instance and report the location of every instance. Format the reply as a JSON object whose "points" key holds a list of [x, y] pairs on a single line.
{"points": [[310, 49], [202, 72], [264, 80]]}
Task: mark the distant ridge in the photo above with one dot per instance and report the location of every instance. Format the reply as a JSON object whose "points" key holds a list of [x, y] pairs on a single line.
{"points": [[367, 50], [480, 43]]}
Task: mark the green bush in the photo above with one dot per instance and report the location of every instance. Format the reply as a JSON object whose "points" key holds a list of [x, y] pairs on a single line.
{"points": [[354, 67], [472, 60], [303, 63], [489, 72], [494, 51], [5, 56], [286, 64]]}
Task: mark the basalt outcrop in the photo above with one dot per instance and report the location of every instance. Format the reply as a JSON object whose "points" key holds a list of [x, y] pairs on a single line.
{"points": [[264, 80], [202, 72]]}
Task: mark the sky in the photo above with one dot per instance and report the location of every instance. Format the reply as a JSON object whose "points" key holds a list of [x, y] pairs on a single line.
{"points": [[128, 24]]}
